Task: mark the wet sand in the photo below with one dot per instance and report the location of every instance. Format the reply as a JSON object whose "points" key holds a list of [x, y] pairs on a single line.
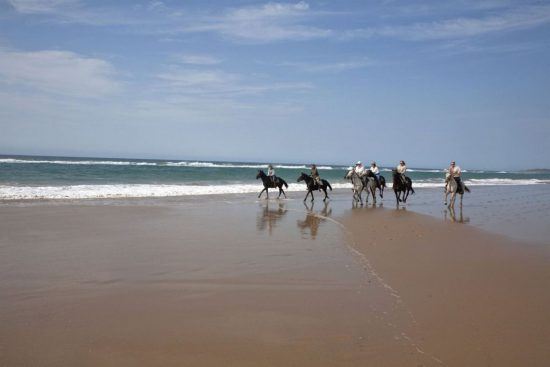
{"points": [[478, 299], [232, 282]]}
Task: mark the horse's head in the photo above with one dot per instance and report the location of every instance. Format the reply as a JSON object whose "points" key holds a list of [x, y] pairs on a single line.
{"points": [[394, 171], [302, 177], [260, 174], [349, 174]]}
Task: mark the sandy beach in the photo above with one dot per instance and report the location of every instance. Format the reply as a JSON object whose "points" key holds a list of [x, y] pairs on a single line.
{"points": [[231, 281]]}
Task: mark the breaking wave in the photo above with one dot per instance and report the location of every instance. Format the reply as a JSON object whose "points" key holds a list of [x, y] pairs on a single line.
{"points": [[156, 190]]}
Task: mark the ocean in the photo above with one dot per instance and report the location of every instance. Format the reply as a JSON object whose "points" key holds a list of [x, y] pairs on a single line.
{"points": [[34, 177]]}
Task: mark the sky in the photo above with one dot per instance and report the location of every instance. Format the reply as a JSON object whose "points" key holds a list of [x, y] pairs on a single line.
{"points": [[317, 81]]}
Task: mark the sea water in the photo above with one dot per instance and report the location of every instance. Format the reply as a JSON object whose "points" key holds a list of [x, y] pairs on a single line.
{"points": [[34, 177]]}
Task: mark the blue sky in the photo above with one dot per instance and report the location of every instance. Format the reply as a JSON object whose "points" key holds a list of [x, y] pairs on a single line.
{"points": [[322, 81]]}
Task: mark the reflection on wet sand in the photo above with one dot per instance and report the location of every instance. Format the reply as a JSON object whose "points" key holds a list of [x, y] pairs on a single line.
{"points": [[313, 219], [269, 216], [451, 213]]}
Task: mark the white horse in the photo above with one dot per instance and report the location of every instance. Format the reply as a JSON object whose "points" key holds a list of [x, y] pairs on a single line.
{"points": [[451, 187], [361, 183]]}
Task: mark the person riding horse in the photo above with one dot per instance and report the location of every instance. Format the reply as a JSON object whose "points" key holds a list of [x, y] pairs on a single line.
{"points": [[401, 169], [359, 169], [455, 172], [271, 173], [315, 176], [376, 172]]}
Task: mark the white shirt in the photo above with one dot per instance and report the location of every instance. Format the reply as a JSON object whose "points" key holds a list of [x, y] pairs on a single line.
{"points": [[375, 170], [401, 169], [360, 170], [271, 172], [456, 171]]}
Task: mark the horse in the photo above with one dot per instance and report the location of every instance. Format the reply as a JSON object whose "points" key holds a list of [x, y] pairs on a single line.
{"points": [[381, 181], [451, 187], [269, 183], [399, 187], [312, 185], [367, 183]]}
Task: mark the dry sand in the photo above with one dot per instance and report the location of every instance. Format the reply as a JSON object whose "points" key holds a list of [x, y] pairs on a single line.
{"points": [[247, 284]]}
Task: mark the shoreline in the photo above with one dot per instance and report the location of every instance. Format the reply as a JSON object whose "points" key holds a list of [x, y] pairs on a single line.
{"points": [[516, 212]]}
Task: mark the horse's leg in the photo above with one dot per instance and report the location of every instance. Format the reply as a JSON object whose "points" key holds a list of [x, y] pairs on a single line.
{"points": [[312, 198], [280, 191], [452, 201], [326, 195], [308, 191], [261, 192], [267, 193], [396, 197], [373, 192], [446, 194], [283, 192]]}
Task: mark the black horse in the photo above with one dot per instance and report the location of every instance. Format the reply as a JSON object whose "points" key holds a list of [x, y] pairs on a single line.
{"points": [[271, 184], [400, 188], [312, 185]]}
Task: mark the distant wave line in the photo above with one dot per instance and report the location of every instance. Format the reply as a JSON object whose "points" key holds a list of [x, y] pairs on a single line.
{"points": [[197, 164]]}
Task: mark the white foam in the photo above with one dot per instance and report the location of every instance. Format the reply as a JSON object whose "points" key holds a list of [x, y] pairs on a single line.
{"points": [[153, 190], [116, 163], [197, 164], [135, 190], [504, 181]]}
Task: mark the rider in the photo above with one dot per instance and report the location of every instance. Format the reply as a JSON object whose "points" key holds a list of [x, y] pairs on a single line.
{"points": [[401, 169], [455, 173], [374, 169], [271, 173], [315, 176], [359, 169]]}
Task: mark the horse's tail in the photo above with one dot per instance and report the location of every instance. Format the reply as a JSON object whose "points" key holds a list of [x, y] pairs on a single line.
{"points": [[284, 183], [328, 184], [466, 188]]}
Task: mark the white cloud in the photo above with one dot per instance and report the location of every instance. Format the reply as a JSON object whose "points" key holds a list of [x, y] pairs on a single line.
{"points": [[195, 59], [41, 6], [203, 79], [60, 72], [265, 23], [511, 19], [335, 67], [178, 81]]}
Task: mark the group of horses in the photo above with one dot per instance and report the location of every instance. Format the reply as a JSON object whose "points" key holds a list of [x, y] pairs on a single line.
{"points": [[366, 182]]}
